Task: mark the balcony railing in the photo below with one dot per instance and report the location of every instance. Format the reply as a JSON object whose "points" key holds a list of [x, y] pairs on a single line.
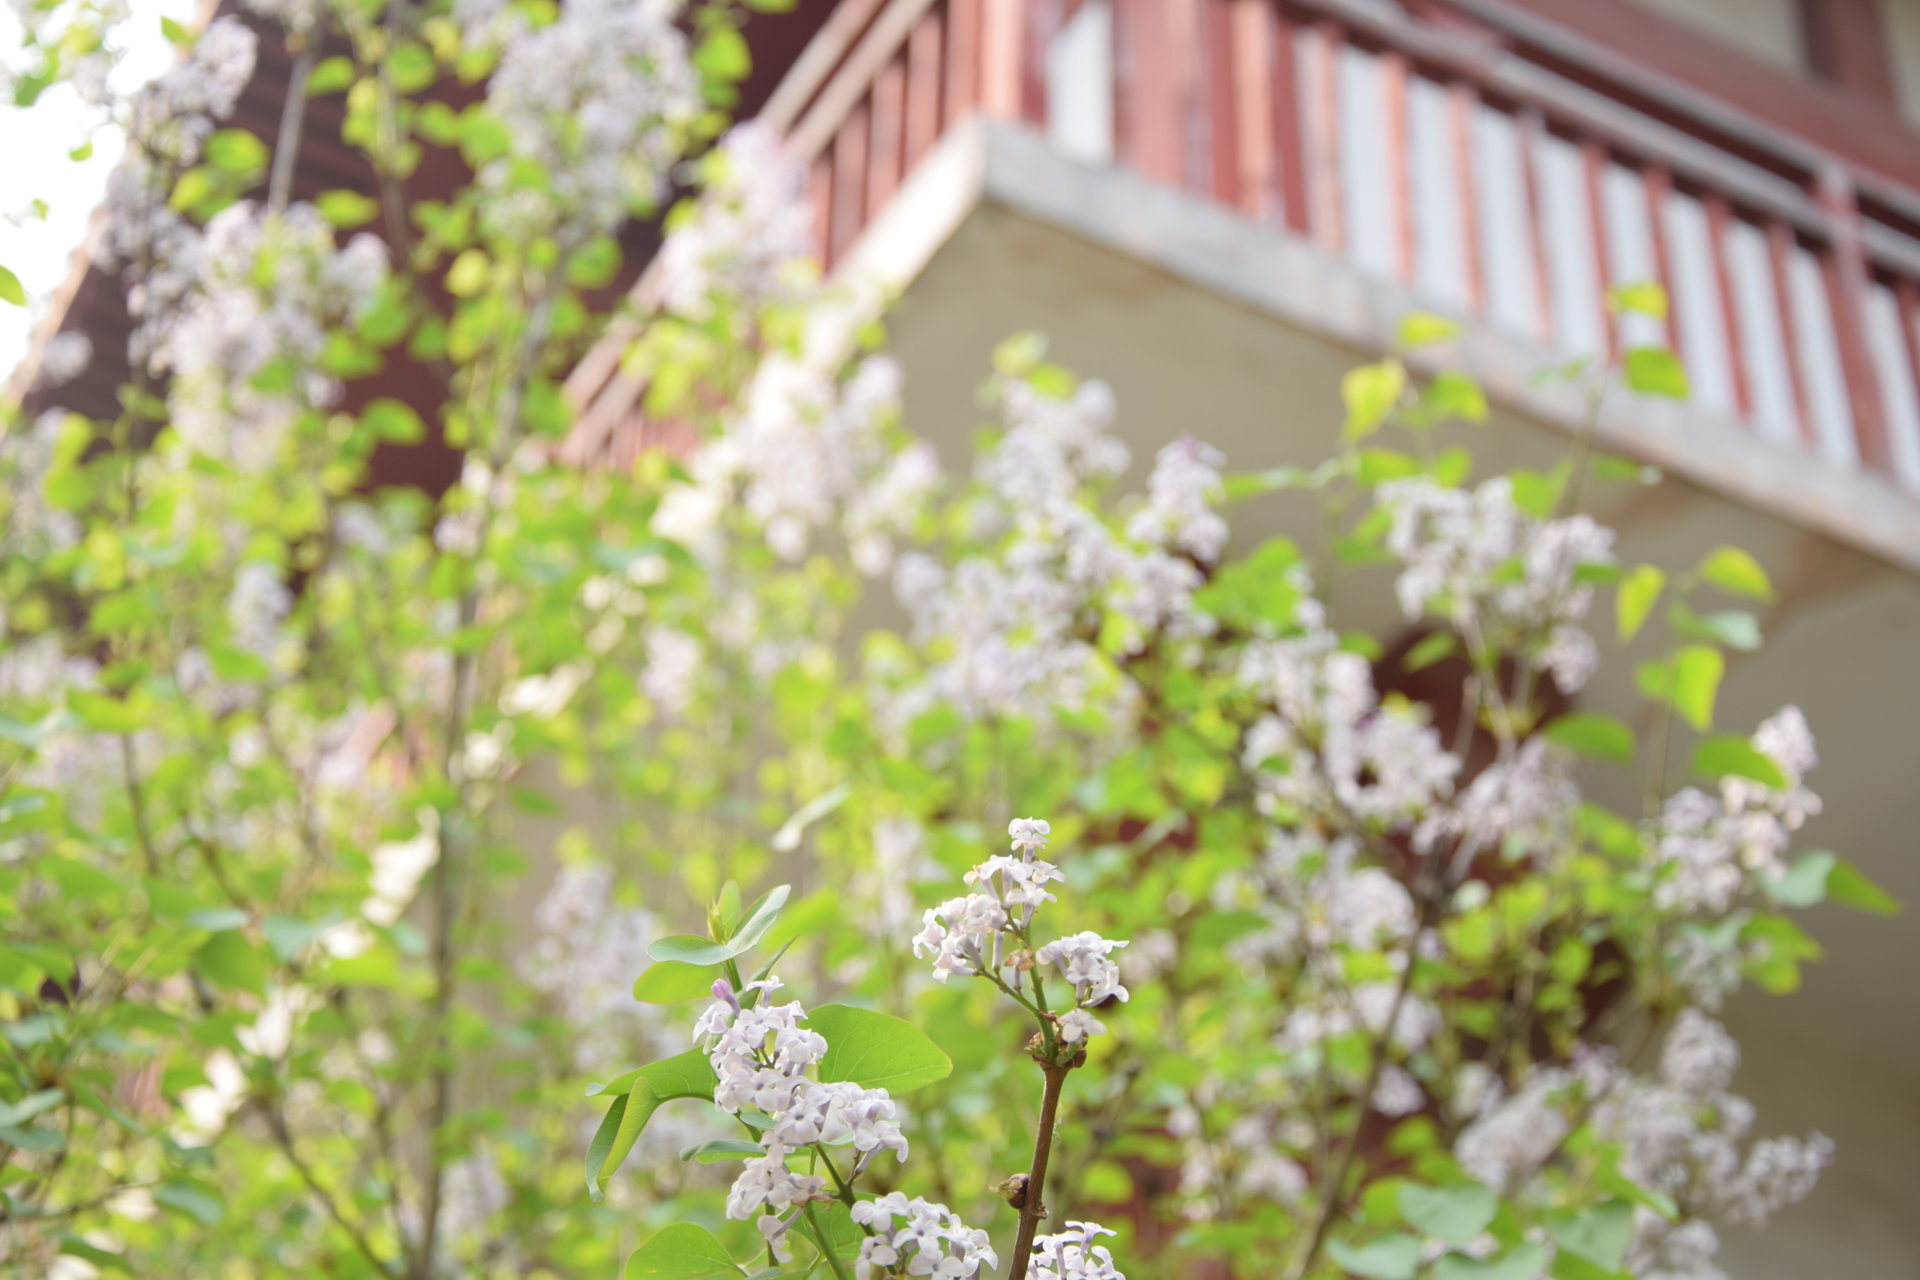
{"points": [[1469, 153]]}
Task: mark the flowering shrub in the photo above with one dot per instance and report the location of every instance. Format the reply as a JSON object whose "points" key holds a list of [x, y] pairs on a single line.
{"points": [[340, 818]]}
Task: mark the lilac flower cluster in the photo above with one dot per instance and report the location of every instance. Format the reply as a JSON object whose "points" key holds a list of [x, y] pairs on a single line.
{"points": [[990, 930], [761, 1055]]}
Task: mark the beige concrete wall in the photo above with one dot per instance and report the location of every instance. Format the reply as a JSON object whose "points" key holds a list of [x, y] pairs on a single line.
{"points": [[1842, 1056], [1903, 39], [1767, 29]]}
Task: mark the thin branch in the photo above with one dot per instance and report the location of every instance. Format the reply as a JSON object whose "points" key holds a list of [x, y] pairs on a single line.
{"points": [[286, 149], [1033, 1205]]}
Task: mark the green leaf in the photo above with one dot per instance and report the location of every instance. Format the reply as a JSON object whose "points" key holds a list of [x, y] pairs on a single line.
{"points": [[681, 1252], [794, 829], [723, 55], [195, 1199], [1431, 649], [1370, 393], [1423, 328], [216, 919], [34, 1104], [686, 1075], [1456, 1214], [1643, 298], [761, 916], [1726, 755], [1848, 887], [236, 151], [1655, 371], [10, 288], [1734, 628], [468, 274], [1391, 1257], [1696, 683], [1737, 573], [175, 31], [34, 1138], [686, 949], [1455, 395], [228, 960], [411, 67], [1804, 884], [394, 421], [1377, 466], [331, 75], [715, 1150], [672, 982], [1522, 1262], [877, 1050], [1600, 1234], [1592, 735], [289, 936], [1634, 601], [74, 1246], [347, 209]]}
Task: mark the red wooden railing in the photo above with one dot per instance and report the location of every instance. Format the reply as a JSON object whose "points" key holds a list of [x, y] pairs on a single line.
{"points": [[1463, 148]]}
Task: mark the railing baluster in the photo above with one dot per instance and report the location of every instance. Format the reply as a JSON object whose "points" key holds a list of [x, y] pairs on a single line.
{"points": [[1906, 301], [820, 199], [1289, 131], [1040, 20], [1532, 137], [1462, 102], [1779, 258], [924, 83], [1003, 44], [1150, 106], [1843, 266], [849, 181], [963, 59], [1399, 159], [1719, 229], [1325, 175], [1255, 79], [1593, 169], [1659, 184], [889, 134], [1219, 100]]}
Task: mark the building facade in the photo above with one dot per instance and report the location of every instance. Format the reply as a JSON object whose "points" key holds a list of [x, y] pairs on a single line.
{"points": [[1218, 205]]}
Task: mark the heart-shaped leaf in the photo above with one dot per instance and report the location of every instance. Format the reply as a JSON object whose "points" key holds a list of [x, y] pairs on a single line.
{"points": [[877, 1050]]}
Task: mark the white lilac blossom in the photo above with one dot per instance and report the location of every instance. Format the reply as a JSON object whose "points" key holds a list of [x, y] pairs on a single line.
{"points": [[257, 608], [1497, 572], [760, 1054], [1709, 849], [1523, 805], [917, 1238], [33, 525], [1397, 1093], [598, 104], [585, 950], [989, 930], [1084, 961], [244, 349], [1329, 748], [806, 453], [1073, 1255], [167, 123], [1016, 631], [749, 232], [1182, 492], [1514, 1137], [1681, 1132], [671, 675], [65, 357]]}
